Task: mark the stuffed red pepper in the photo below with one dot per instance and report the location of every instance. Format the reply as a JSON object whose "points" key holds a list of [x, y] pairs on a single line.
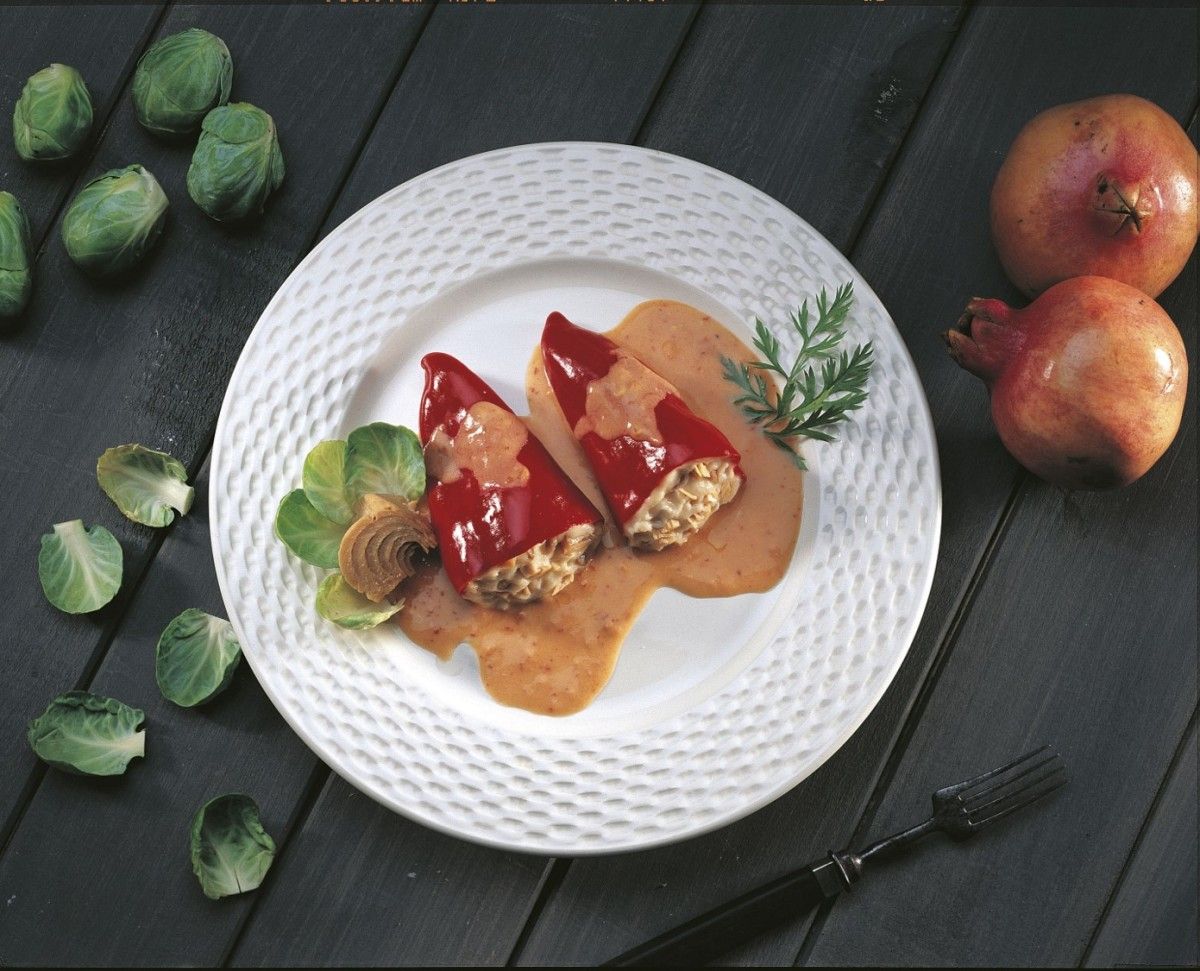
{"points": [[512, 528], [663, 469]]}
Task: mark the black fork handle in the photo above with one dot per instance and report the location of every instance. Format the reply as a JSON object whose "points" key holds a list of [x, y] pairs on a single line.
{"points": [[704, 938]]}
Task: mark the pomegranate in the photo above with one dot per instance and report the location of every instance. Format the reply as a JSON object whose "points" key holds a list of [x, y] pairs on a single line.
{"points": [[1087, 382], [1103, 187]]}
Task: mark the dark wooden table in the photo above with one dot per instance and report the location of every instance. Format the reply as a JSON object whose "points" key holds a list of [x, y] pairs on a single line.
{"points": [[1069, 619]]}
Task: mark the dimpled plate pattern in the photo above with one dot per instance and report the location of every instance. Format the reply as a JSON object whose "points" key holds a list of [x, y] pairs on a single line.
{"points": [[838, 643]]}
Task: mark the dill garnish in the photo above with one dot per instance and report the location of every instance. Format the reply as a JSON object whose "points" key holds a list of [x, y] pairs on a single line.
{"points": [[820, 388]]}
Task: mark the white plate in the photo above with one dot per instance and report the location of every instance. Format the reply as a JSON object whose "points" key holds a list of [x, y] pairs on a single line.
{"points": [[716, 706]]}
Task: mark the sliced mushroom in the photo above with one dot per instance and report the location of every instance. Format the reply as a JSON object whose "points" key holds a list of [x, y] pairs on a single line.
{"points": [[380, 549]]}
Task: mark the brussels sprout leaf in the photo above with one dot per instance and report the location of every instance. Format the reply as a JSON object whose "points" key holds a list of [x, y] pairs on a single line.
{"points": [[87, 734], [196, 657], [324, 479], [306, 532], [386, 460], [80, 569], [341, 604], [231, 852], [147, 486]]}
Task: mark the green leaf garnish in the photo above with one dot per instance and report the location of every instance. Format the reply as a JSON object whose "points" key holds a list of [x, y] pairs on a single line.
{"points": [[324, 479], [821, 387], [306, 532], [339, 603], [385, 460]]}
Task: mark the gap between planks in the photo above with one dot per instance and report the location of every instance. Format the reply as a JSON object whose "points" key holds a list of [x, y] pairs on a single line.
{"points": [[1172, 767], [937, 665], [317, 779], [85, 162]]}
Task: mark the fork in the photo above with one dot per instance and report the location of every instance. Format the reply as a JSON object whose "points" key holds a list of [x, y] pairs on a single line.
{"points": [[960, 811]]}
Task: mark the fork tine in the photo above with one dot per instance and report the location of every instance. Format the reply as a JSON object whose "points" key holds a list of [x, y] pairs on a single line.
{"points": [[972, 783], [1006, 783], [1026, 796]]}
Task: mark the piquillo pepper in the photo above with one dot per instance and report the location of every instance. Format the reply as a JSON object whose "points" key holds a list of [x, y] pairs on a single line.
{"points": [[663, 469], [511, 526]]}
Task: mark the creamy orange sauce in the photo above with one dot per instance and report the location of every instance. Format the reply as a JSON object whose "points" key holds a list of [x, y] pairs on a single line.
{"points": [[488, 441], [554, 657], [623, 402]]}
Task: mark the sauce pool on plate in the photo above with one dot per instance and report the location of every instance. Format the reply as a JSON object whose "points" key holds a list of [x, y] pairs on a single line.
{"points": [[555, 656]]}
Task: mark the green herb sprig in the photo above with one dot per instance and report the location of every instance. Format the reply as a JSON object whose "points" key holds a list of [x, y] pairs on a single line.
{"points": [[820, 388]]}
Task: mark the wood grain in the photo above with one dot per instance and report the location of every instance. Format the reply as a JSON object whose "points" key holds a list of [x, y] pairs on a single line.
{"points": [[925, 250], [102, 43], [809, 105], [812, 105], [147, 359]]}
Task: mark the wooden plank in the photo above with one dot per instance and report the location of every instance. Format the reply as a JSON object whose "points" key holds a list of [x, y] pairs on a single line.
{"points": [[103, 43], [487, 77], [479, 78], [1153, 918], [808, 105], [1084, 635], [925, 250], [147, 360], [361, 886]]}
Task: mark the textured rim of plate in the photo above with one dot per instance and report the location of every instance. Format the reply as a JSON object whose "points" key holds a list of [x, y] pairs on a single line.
{"points": [[782, 716]]}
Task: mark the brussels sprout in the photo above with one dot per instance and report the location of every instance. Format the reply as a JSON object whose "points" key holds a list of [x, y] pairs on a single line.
{"points": [[306, 532], [80, 569], [89, 735], [196, 657], [114, 221], [385, 460], [237, 163], [53, 115], [341, 604], [324, 479], [231, 852], [181, 79], [16, 269], [147, 486]]}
